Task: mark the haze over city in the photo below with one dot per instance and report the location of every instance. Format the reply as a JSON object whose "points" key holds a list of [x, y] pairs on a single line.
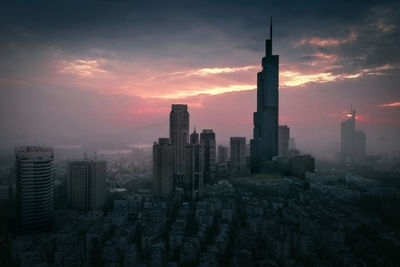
{"points": [[107, 72]]}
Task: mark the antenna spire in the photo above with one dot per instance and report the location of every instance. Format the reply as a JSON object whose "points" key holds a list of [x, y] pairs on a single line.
{"points": [[270, 30]]}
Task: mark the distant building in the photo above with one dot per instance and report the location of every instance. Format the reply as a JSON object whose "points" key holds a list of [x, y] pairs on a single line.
{"points": [[223, 171], [4, 183], [193, 184], [300, 164], [179, 137], [34, 187], [238, 153], [264, 145], [353, 142], [283, 144], [87, 184], [222, 154], [162, 168], [207, 139], [360, 144], [292, 144]]}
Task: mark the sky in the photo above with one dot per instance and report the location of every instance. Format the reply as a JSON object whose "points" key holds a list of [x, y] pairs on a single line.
{"points": [[107, 72]]}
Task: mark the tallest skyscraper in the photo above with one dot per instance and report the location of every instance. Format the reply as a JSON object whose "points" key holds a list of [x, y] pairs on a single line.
{"points": [[264, 144]]}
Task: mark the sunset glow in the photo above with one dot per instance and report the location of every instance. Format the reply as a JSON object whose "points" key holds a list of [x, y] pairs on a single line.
{"points": [[391, 105], [114, 71]]}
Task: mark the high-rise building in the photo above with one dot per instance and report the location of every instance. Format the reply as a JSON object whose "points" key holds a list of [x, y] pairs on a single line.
{"points": [[353, 142], [360, 144], [264, 145], [194, 137], [238, 153], [207, 139], [34, 187], [163, 183], [193, 184], [292, 144], [348, 128], [283, 143], [179, 136], [222, 154], [87, 184]]}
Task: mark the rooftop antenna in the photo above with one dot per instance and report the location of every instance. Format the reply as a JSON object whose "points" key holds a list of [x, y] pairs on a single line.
{"points": [[270, 29]]}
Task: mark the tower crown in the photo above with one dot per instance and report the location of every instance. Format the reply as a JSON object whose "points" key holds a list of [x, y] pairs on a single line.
{"points": [[268, 42]]}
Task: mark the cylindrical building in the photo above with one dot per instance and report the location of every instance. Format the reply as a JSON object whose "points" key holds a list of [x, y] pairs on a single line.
{"points": [[34, 187]]}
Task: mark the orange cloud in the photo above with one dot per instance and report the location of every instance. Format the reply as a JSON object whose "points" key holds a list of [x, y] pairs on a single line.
{"points": [[320, 42], [325, 56], [293, 79], [211, 91], [386, 27], [138, 79], [88, 68], [296, 78], [213, 71], [390, 105]]}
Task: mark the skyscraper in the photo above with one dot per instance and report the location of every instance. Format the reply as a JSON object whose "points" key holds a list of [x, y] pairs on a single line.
{"points": [[264, 144], [87, 184], [283, 143], [193, 183], [34, 187], [222, 154], [179, 136], [162, 168], [238, 153], [194, 137], [353, 142], [207, 139]]}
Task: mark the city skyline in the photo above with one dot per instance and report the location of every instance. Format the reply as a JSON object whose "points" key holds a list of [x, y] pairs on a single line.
{"points": [[103, 77], [151, 135]]}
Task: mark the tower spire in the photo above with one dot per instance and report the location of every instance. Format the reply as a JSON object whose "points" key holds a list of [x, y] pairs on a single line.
{"points": [[270, 29]]}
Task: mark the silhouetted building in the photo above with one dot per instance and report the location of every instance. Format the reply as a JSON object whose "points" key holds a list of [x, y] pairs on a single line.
{"points": [[162, 168], [283, 144], [301, 164], [222, 154], [179, 137], [34, 188], [353, 143], [207, 139], [238, 153], [264, 145], [193, 182], [87, 184]]}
